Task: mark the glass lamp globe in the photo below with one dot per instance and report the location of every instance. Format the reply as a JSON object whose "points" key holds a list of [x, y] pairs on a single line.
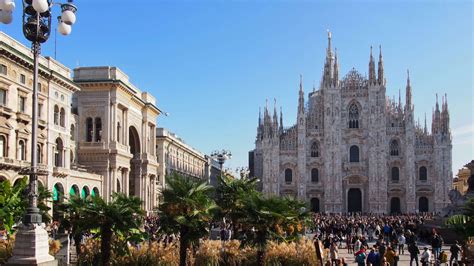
{"points": [[68, 17], [7, 5], [64, 28], [40, 6], [6, 17]]}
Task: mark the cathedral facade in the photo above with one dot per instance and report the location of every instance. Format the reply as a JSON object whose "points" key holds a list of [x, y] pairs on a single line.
{"points": [[353, 149]]}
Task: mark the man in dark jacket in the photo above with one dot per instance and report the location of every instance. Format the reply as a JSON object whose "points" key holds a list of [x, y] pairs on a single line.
{"points": [[414, 251]]}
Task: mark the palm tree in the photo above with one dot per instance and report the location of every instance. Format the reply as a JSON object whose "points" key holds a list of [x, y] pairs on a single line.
{"points": [[268, 217], [230, 196], [119, 216], [186, 210], [464, 223], [72, 217]]}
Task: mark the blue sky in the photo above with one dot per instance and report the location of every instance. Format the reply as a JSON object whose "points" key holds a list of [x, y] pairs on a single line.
{"points": [[211, 64]]}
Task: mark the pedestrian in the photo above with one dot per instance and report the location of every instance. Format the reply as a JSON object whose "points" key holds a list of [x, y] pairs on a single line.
{"points": [[390, 256], [333, 251], [373, 258], [436, 245], [360, 257], [426, 257], [455, 250], [401, 244], [414, 251]]}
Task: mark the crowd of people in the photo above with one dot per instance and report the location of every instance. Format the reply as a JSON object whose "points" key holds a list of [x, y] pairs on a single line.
{"points": [[379, 240]]}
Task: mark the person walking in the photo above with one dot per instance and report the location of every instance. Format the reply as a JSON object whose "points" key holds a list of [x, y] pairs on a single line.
{"points": [[426, 257], [373, 258], [414, 251], [455, 249], [390, 256], [333, 251], [401, 244]]}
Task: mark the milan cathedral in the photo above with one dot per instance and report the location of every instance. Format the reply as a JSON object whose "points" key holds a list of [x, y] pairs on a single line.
{"points": [[353, 149]]}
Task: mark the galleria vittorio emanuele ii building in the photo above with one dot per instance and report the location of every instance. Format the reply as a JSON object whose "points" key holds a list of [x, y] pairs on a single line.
{"points": [[353, 149], [97, 132]]}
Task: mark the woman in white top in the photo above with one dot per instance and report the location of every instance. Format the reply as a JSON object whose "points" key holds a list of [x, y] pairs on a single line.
{"points": [[425, 257]]}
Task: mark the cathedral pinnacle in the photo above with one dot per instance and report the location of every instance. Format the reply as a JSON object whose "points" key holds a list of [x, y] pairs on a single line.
{"points": [[380, 78], [281, 119], [371, 68], [408, 92], [301, 96], [336, 69], [329, 44]]}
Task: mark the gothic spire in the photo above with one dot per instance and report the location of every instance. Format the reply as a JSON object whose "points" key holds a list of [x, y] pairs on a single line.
{"points": [[281, 119], [408, 92], [336, 69], [329, 51], [301, 96], [259, 116], [328, 64], [399, 100], [275, 116], [381, 71], [371, 68]]}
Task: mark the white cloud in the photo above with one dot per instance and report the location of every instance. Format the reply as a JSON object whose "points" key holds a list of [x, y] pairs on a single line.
{"points": [[464, 130]]}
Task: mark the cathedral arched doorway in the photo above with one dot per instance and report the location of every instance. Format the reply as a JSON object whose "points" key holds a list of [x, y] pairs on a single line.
{"points": [[354, 200], [134, 175], [395, 205], [423, 205], [315, 205]]}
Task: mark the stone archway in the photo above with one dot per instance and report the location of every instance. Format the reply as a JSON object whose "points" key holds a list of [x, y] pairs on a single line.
{"points": [[354, 200], [395, 205], [315, 205], [58, 198], [135, 164], [423, 204]]}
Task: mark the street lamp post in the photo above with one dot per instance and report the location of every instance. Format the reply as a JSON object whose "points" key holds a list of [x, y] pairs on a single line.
{"points": [[243, 171], [221, 157], [31, 245]]}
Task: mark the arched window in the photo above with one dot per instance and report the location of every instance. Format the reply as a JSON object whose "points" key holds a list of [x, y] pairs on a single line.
{"points": [[394, 148], [71, 157], [315, 149], [315, 175], [288, 175], [62, 117], [21, 150], [56, 115], [89, 129], [98, 129], [73, 132], [58, 153], [353, 116], [423, 173], [354, 154], [118, 131], [395, 174], [3, 146]]}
